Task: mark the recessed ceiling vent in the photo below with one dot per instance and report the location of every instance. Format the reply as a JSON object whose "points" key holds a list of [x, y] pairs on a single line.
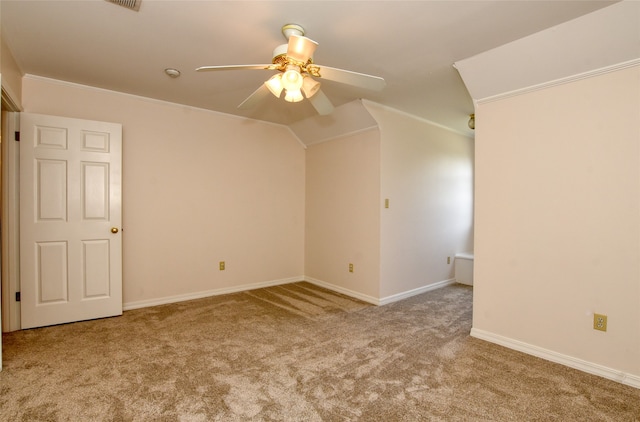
{"points": [[129, 4]]}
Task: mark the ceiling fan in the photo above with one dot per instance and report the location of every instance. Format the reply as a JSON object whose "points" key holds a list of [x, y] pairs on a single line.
{"points": [[296, 73]]}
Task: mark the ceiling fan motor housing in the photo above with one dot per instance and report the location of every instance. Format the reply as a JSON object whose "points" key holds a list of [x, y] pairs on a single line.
{"points": [[279, 54]]}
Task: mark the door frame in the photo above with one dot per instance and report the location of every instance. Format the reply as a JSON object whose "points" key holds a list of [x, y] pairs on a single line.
{"points": [[10, 216]]}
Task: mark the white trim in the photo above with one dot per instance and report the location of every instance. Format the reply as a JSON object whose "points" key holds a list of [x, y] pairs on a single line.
{"points": [[235, 289], [8, 100], [374, 300], [550, 355], [414, 292], [347, 292], [10, 223], [421, 119], [344, 135], [207, 293], [561, 81]]}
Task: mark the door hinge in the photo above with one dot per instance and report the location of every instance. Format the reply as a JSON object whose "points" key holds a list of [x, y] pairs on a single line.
{"points": [[17, 136], [17, 296]]}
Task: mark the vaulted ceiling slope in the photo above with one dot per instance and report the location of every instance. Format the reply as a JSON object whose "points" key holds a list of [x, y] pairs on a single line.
{"points": [[411, 44], [602, 41]]}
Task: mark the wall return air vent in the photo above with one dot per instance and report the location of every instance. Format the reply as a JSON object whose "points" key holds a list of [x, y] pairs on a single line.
{"points": [[129, 4]]}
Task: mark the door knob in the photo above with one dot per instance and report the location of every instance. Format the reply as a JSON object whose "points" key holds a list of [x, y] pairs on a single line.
{"points": [[114, 230]]}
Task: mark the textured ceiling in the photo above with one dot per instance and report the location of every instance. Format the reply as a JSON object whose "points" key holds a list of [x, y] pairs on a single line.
{"points": [[412, 44]]}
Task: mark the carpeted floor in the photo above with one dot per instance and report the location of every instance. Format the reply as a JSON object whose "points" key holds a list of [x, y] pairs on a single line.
{"points": [[293, 353]]}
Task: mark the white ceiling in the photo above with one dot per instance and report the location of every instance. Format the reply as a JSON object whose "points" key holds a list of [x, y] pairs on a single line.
{"points": [[411, 44]]}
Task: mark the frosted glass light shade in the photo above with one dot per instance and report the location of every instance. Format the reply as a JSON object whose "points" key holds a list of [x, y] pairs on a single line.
{"points": [[275, 85], [301, 48], [292, 79], [293, 96], [310, 86]]}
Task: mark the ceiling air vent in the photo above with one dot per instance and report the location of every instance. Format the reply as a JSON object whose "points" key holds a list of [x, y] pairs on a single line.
{"points": [[129, 4]]}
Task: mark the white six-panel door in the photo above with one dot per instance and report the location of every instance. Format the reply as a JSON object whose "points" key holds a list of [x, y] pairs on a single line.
{"points": [[70, 220]]}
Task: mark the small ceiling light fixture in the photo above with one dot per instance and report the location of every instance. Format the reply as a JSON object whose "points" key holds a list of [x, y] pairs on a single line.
{"points": [[129, 4], [172, 73], [472, 121]]}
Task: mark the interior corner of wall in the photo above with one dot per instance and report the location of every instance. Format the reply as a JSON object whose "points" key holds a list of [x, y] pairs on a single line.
{"points": [[369, 105], [346, 120], [295, 135]]}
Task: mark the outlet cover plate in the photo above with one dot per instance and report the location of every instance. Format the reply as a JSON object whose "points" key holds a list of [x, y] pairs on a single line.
{"points": [[600, 322]]}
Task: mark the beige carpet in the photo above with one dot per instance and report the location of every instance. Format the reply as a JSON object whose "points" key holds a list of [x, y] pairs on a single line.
{"points": [[293, 353]]}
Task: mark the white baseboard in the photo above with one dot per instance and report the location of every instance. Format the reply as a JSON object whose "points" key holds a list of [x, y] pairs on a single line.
{"points": [[207, 293], [347, 292], [419, 290], [375, 300], [550, 355], [351, 293], [215, 292]]}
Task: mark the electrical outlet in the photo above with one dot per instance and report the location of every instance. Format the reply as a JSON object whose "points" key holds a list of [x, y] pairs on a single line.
{"points": [[600, 322], [448, 260], [350, 268], [222, 265]]}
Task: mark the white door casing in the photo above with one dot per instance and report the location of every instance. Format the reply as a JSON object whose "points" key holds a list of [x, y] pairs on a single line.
{"points": [[70, 220]]}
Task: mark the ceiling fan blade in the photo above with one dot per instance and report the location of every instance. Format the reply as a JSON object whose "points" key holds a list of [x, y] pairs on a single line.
{"points": [[300, 48], [348, 77], [255, 98], [321, 103], [236, 67]]}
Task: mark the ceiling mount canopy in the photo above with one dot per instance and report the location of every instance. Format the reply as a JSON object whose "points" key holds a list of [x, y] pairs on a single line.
{"points": [[297, 72], [292, 29]]}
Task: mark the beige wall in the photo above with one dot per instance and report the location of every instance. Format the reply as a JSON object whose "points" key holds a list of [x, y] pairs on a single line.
{"points": [[343, 213], [199, 188], [427, 175], [558, 220]]}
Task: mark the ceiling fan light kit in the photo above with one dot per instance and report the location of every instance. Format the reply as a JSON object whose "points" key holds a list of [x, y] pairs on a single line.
{"points": [[297, 71], [279, 82]]}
